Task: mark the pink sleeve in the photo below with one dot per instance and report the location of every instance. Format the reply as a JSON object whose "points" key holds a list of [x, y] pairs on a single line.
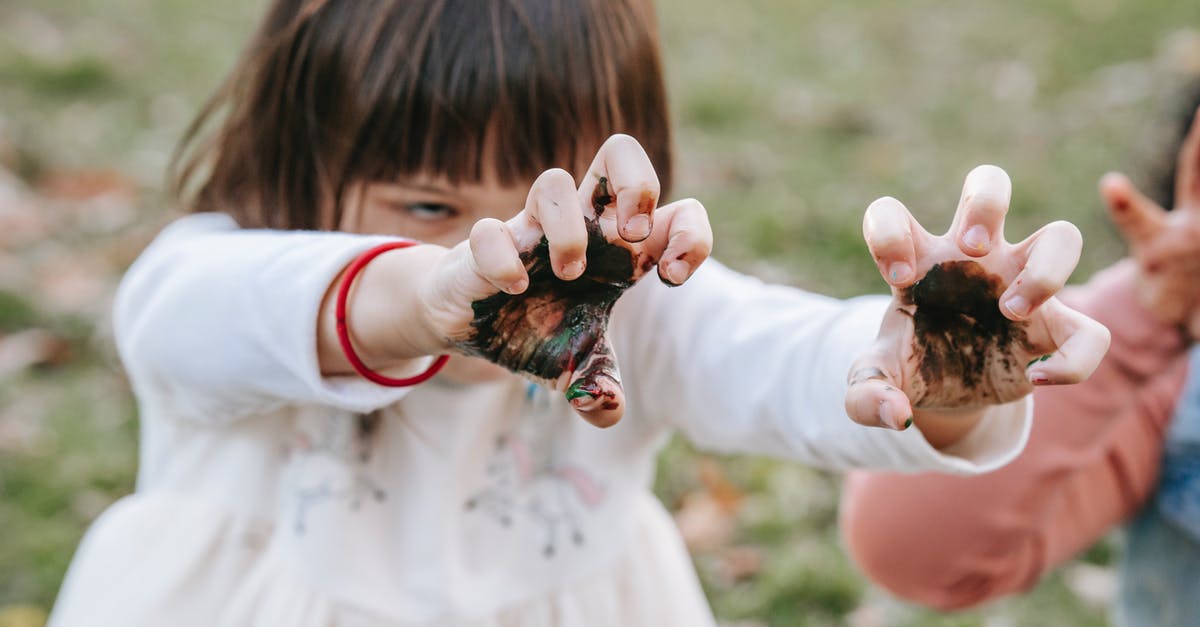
{"points": [[1092, 458]]}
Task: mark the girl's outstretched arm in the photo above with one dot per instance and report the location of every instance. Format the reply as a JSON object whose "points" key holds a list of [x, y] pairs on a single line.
{"points": [[738, 365], [1095, 451], [241, 321], [223, 320]]}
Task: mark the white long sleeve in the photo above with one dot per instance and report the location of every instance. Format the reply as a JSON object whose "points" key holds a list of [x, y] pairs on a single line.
{"points": [[741, 366], [467, 505], [222, 321]]}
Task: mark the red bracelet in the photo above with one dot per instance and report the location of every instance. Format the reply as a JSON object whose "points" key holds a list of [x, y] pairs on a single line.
{"points": [[343, 330]]}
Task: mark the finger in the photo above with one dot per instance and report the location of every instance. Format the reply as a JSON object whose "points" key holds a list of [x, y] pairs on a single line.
{"points": [[554, 207], [1187, 169], [1136, 216], [623, 176], [681, 241], [494, 256], [888, 229], [1081, 343], [595, 391], [873, 399], [979, 221], [1050, 257]]}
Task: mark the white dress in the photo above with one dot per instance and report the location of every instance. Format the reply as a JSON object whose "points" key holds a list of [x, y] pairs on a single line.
{"points": [[265, 497]]}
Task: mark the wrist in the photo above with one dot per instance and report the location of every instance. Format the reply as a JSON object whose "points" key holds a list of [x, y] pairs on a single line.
{"points": [[944, 428], [389, 315]]}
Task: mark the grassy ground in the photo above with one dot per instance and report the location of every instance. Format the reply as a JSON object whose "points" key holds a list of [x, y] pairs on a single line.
{"points": [[792, 114]]}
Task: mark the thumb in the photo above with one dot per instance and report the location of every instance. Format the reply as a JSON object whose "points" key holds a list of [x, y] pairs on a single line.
{"points": [[594, 388], [873, 395]]}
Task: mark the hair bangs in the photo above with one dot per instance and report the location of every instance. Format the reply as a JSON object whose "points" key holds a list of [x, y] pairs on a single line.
{"points": [[507, 89], [329, 94]]}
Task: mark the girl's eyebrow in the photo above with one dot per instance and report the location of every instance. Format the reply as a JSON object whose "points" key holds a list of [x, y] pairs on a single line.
{"points": [[402, 187]]}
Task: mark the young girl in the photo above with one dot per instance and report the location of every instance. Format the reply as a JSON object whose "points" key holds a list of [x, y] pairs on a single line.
{"points": [[1095, 458], [298, 469]]}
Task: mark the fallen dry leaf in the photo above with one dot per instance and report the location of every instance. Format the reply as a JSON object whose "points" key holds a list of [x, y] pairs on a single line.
{"points": [[738, 563], [704, 522], [32, 347]]}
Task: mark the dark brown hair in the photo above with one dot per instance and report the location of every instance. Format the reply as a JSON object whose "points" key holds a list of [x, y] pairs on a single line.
{"points": [[333, 92]]}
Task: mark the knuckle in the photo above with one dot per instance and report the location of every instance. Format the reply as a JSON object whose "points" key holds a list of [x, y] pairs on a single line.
{"points": [[556, 178], [568, 248], [687, 240], [1101, 332], [646, 184], [893, 241], [1067, 231], [621, 139], [692, 207], [485, 229], [987, 203], [884, 203], [1039, 284]]}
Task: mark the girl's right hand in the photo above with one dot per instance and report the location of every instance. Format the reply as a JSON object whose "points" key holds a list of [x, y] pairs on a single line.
{"points": [[974, 321], [1165, 245], [534, 293]]}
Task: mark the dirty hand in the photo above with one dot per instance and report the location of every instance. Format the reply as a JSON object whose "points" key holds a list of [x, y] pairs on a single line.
{"points": [[1165, 245], [534, 294], [973, 320]]}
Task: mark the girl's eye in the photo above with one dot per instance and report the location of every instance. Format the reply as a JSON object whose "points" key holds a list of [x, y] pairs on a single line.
{"points": [[430, 211]]}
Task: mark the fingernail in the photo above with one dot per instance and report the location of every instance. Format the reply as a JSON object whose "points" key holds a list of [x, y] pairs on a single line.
{"points": [[1017, 306], [580, 389], [573, 270], [908, 423], [677, 271], [900, 272], [518, 286], [977, 238], [638, 227], [885, 415], [1037, 377]]}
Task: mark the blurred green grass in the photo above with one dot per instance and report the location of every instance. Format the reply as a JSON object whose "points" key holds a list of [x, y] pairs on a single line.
{"points": [[792, 116]]}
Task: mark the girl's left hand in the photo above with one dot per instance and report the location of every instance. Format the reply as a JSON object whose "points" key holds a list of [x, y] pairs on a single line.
{"points": [[973, 320], [571, 253]]}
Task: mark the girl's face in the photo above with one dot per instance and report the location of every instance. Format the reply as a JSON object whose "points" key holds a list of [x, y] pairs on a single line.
{"points": [[431, 210]]}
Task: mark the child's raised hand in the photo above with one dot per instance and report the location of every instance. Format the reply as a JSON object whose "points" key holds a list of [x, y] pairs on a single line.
{"points": [[973, 319], [1165, 245], [534, 293]]}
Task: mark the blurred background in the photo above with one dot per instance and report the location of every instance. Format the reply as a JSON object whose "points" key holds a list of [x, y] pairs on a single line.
{"points": [[792, 116]]}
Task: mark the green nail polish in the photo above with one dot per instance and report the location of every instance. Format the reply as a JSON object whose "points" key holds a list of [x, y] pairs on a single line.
{"points": [[578, 390], [908, 423], [574, 393], [1045, 357]]}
